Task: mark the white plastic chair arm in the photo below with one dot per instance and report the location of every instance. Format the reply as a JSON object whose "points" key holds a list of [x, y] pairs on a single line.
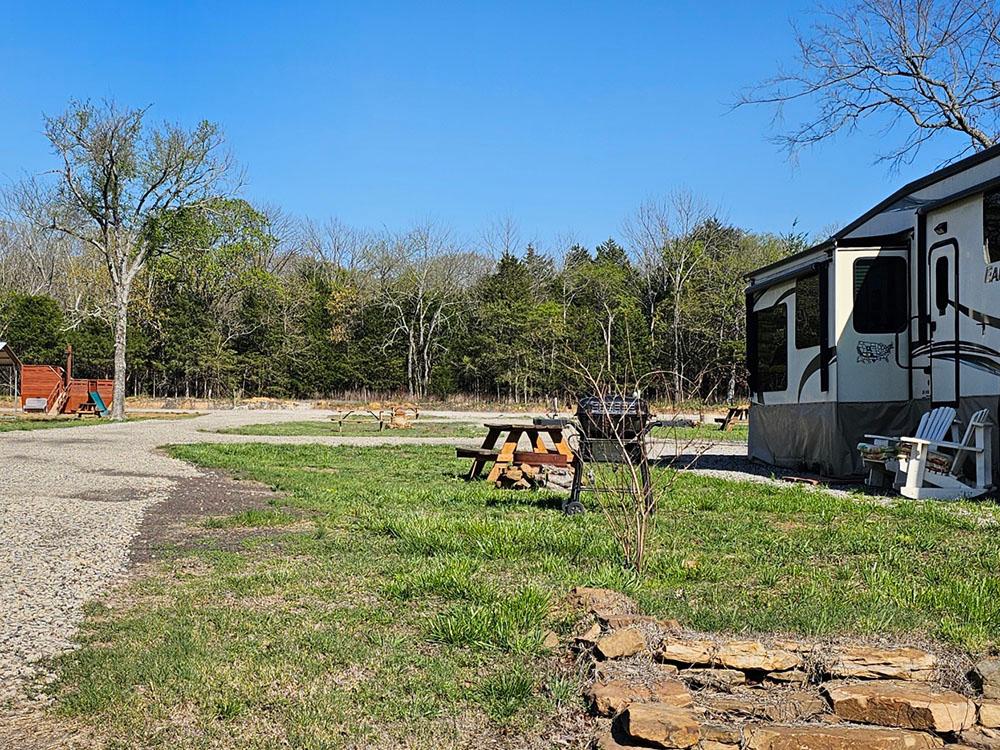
{"points": [[942, 444]]}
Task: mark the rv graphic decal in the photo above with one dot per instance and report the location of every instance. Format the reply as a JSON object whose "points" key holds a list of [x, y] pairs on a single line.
{"points": [[813, 367], [976, 356], [870, 352], [980, 317]]}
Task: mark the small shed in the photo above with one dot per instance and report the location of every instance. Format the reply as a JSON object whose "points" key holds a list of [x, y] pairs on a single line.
{"points": [[54, 390]]}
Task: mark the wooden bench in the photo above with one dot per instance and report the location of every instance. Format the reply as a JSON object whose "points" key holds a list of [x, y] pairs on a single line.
{"points": [[736, 414], [36, 404], [532, 458]]}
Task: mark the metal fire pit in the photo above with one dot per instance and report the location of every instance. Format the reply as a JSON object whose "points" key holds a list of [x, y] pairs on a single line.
{"points": [[612, 430]]}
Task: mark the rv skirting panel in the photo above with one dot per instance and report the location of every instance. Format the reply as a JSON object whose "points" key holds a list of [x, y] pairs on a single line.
{"points": [[823, 437]]}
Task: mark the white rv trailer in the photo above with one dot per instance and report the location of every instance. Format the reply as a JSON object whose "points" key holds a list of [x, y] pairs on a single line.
{"points": [[897, 312]]}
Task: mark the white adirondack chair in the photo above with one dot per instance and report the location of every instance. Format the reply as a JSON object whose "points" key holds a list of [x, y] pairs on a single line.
{"points": [[934, 425], [925, 477]]}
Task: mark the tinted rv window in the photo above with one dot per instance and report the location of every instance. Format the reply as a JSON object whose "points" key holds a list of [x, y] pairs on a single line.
{"points": [[941, 278], [772, 348], [991, 226], [880, 298], [807, 318]]}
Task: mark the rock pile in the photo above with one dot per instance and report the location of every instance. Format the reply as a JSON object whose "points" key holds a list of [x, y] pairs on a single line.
{"points": [[653, 686]]}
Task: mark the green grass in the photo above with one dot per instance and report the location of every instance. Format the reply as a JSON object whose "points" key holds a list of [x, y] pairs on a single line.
{"points": [[48, 423], [19, 424], [707, 432], [315, 428], [412, 609]]}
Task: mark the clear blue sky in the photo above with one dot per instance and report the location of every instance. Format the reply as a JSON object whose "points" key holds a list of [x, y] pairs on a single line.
{"points": [[564, 116]]}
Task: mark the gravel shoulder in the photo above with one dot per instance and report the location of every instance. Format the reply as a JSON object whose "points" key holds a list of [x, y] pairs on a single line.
{"points": [[72, 501]]}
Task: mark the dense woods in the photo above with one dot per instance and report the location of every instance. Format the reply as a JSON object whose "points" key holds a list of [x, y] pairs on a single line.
{"points": [[248, 302]]}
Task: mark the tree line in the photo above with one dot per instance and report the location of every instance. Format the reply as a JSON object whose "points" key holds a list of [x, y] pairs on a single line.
{"points": [[248, 303], [140, 252]]}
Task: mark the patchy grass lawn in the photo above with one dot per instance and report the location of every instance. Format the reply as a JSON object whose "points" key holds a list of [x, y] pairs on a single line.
{"points": [[409, 609], [315, 428], [70, 420], [706, 432]]}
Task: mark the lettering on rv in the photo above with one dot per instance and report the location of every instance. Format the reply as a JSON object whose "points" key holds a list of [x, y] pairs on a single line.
{"points": [[870, 352], [992, 273]]}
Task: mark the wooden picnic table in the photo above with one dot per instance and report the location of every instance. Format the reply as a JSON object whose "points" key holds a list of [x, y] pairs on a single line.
{"points": [[507, 454], [739, 413]]}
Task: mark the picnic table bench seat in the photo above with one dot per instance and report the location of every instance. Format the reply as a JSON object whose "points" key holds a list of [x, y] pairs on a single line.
{"points": [[532, 458]]}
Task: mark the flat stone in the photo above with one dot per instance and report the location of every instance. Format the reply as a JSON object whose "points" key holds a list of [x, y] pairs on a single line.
{"points": [[661, 725], [902, 704], [795, 706], [724, 679], [621, 643], [989, 714], [788, 677], [550, 641], [610, 670], [715, 745], [745, 655], [607, 741], [686, 652], [883, 663], [600, 601], [756, 656], [987, 673], [798, 705], [720, 733], [796, 647], [617, 622], [836, 738], [610, 697], [982, 738], [590, 635], [733, 705]]}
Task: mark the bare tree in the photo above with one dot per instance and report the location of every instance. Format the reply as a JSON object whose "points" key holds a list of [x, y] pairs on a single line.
{"points": [[420, 277], [628, 470], [927, 66], [669, 241], [502, 236], [335, 245], [117, 174], [31, 259]]}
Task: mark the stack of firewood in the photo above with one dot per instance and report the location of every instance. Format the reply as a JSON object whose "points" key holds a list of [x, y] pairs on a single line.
{"points": [[528, 477], [518, 477]]}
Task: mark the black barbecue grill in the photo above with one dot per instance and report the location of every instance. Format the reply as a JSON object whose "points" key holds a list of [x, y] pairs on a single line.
{"points": [[612, 430]]}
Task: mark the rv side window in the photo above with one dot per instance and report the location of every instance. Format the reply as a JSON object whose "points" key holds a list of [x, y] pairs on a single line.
{"points": [[772, 348], [941, 284], [807, 318], [880, 298], [991, 226]]}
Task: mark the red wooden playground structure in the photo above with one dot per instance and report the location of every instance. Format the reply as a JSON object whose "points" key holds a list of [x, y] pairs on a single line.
{"points": [[54, 390]]}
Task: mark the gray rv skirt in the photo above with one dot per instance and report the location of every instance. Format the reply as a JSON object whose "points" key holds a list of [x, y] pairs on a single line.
{"points": [[823, 437]]}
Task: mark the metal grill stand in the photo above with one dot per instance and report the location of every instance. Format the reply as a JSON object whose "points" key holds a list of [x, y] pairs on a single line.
{"points": [[612, 430]]}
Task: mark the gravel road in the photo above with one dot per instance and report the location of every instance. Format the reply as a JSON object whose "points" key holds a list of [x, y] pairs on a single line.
{"points": [[70, 502]]}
